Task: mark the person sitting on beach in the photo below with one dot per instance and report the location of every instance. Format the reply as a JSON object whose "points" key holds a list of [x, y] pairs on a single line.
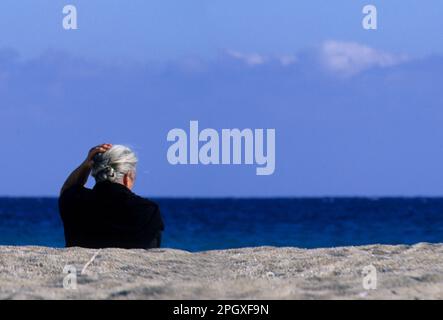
{"points": [[110, 214]]}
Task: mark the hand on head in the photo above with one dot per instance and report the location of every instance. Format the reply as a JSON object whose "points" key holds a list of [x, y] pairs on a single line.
{"points": [[96, 150]]}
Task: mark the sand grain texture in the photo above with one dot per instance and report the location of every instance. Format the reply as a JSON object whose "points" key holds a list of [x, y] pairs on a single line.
{"points": [[403, 272]]}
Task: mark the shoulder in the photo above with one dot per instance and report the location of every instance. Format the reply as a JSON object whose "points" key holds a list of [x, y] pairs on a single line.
{"points": [[144, 203], [74, 193], [147, 210]]}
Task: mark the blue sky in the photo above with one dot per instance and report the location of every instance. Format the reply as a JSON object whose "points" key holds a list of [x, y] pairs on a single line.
{"points": [[168, 29], [356, 112]]}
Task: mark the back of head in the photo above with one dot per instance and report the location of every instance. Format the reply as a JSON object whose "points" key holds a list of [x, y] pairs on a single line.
{"points": [[114, 164]]}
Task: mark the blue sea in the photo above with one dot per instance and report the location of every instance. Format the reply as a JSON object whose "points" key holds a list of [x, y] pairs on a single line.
{"points": [[205, 224]]}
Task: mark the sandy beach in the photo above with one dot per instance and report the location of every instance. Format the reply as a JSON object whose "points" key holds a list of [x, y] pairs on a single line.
{"points": [[403, 272]]}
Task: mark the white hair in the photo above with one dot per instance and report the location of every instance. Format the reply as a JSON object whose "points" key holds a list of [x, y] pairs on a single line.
{"points": [[114, 164]]}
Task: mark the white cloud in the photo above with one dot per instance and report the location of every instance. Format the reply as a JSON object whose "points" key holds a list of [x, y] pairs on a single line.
{"points": [[255, 59], [350, 58], [287, 59], [251, 59], [339, 57]]}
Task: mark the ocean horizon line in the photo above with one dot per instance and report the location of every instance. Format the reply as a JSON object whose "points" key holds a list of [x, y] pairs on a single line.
{"points": [[282, 197]]}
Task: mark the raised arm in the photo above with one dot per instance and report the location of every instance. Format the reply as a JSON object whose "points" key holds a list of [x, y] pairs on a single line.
{"points": [[80, 175]]}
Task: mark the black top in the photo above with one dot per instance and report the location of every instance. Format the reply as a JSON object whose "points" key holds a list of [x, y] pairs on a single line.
{"points": [[109, 215]]}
